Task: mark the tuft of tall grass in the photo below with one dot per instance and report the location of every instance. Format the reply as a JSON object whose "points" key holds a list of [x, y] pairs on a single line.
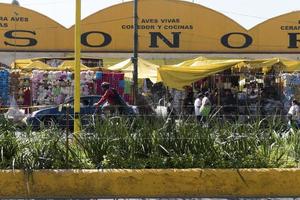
{"points": [[9, 145], [144, 143]]}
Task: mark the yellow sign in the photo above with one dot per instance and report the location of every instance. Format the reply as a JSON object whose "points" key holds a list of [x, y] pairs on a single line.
{"points": [[164, 26]]}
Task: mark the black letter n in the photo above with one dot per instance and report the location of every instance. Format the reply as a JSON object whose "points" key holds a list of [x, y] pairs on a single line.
{"points": [[156, 35]]}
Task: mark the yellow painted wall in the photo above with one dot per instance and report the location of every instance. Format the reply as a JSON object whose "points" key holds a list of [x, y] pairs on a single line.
{"points": [[150, 183], [273, 35], [188, 27], [48, 33]]}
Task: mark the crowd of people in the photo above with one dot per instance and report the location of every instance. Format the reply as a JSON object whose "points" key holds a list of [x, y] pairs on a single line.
{"points": [[232, 106]]}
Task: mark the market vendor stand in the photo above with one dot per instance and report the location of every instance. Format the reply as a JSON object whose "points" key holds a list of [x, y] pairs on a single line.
{"points": [[147, 73], [49, 84], [247, 79]]}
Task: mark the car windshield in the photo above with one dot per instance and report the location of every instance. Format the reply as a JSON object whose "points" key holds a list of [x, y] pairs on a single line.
{"points": [[84, 101]]}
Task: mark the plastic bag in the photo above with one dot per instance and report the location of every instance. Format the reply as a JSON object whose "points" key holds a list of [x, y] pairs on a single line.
{"points": [[14, 113], [205, 110], [161, 111]]}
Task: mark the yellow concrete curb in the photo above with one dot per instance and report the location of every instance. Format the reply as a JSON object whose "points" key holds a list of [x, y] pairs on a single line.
{"points": [[150, 183]]}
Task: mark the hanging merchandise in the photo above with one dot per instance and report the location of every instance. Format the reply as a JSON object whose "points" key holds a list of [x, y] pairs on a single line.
{"points": [[4, 87], [291, 88], [53, 87], [128, 96], [18, 83], [116, 81]]}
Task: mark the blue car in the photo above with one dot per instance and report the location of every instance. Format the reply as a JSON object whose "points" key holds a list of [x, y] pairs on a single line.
{"points": [[63, 115]]}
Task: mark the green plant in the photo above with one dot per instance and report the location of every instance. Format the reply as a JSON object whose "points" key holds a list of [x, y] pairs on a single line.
{"points": [[141, 143]]}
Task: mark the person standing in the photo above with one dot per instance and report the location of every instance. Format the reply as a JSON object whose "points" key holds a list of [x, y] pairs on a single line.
{"points": [[197, 106], [205, 107], [294, 115], [27, 99], [229, 108], [188, 101]]}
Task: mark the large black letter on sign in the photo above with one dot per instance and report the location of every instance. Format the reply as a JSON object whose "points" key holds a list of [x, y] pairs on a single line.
{"points": [[155, 35], [225, 40], [30, 41], [84, 39], [293, 40]]}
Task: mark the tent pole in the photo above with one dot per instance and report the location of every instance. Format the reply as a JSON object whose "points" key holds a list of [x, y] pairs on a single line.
{"points": [[77, 69], [135, 53]]}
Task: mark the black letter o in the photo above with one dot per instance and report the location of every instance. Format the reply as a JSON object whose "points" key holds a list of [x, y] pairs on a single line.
{"points": [[248, 40], [84, 39]]}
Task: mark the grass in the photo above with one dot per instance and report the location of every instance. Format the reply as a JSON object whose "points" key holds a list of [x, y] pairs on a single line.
{"points": [[152, 143]]}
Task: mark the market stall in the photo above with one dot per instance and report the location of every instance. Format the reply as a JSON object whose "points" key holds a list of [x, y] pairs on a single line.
{"points": [[184, 74], [239, 85], [35, 83], [147, 76]]}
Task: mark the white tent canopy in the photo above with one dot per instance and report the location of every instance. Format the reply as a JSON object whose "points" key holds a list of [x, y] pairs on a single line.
{"points": [[145, 69]]}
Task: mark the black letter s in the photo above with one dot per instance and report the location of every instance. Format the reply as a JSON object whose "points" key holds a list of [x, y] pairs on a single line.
{"points": [[30, 41]]}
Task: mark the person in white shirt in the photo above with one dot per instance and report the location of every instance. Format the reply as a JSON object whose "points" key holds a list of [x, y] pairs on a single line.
{"points": [[294, 114], [197, 105], [205, 107]]}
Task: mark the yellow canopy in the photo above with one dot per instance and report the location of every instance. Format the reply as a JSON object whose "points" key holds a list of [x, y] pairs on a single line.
{"points": [[183, 74], [34, 64], [20, 63], [187, 72], [290, 65], [145, 69], [69, 65], [281, 64]]}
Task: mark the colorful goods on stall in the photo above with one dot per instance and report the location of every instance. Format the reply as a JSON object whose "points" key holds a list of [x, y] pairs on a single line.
{"points": [[116, 81], [53, 87], [4, 87], [19, 83]]}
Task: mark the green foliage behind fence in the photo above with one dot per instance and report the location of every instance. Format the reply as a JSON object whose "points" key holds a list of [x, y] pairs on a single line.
{"points": [[142, 143]]}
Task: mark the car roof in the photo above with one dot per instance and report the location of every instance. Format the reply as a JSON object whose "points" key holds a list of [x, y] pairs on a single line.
{"points": [[89, 96]]}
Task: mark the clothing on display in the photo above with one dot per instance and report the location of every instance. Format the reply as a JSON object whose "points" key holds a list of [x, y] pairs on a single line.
{"points": [[18, 82], [4, 87], [291, 88], [117, 82], [53, 87]]}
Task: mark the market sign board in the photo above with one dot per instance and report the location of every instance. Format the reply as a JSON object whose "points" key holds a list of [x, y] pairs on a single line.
{"points": [[164, 26]]}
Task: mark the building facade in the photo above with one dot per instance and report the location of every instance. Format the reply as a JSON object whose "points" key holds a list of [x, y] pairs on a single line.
{"points": [[167, 30]]}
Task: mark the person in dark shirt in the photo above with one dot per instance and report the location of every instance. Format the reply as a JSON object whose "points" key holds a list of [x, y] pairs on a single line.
{"points": [[27, 99], [229, 103], [188, 101]]}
